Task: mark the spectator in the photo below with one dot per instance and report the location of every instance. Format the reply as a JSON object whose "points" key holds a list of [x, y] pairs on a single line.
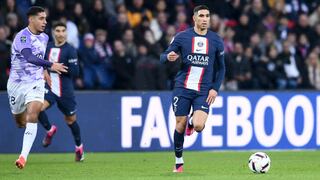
{"points": [[5, 46], [228, 40], [303, 27], [282, 28], [255, 41], [120, 27], [152, 43], [13, 24], [159, 25], [137, 13], [243, 31], [317, 35], [233, 10], [104, 51], [128, 41], [314, 18], [313, 64], [181, 23], [161, 7], [268, 41], [240, 69], [303, 46], [98, 16], [110, 6], [295, 7], [124, 67], [291, 64], [11, 7], [267, 74], [216, 24], [150, 74], [256, 15], [72, 32], [59, 10], [80, 19], [94, 75]]}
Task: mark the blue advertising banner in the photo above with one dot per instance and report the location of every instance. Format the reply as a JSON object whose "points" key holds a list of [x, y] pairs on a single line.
{"points": [[144, 121]]}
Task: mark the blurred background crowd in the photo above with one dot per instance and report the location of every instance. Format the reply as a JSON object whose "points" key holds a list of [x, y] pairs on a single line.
{"points": [[269, 44]]}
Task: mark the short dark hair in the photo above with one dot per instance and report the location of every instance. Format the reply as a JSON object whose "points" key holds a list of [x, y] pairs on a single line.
{"points": [[58, 23], [200, 7], [34, 10]]}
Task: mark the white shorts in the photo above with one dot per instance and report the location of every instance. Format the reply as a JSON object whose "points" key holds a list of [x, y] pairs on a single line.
{"points": [[20, 94]]}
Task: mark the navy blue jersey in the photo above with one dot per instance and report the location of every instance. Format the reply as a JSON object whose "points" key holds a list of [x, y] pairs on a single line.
{"points": [[203, 66], [62, 85]]}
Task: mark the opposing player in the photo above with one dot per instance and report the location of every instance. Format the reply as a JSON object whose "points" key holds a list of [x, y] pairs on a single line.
{"points": [[199, 79], [26, 80], [60, 89]]}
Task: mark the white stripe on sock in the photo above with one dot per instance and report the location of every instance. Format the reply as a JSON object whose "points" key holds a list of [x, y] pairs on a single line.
{"points": [[28, 138], [190, 121], [179, 160]]}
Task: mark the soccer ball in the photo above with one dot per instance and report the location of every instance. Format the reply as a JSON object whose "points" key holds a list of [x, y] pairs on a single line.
{"points": [[259, 162]]}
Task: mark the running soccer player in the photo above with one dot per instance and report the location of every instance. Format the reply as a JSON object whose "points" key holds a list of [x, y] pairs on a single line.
{"points": [[26, 80], [199, 79], [60, 89]]}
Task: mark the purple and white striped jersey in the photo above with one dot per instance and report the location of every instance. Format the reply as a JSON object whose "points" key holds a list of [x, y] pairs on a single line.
{"points": [[21, 69]]}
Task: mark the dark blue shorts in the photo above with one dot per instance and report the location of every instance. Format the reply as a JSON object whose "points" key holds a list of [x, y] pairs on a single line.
{"points": [[184, 99], [66, 104]]}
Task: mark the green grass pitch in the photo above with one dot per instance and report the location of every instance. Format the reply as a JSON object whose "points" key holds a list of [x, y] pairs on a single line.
{"points": [[286, 165]]}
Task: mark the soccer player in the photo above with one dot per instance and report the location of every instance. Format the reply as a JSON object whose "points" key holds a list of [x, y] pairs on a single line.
{"points": [[60, 89], [199, 79], [26, 80]]}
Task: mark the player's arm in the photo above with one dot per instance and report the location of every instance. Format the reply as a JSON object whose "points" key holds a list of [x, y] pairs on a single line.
{"points": [[219, 70], [73, 65], [170, 54], [47, 77], [33, 59], [219, 67]]}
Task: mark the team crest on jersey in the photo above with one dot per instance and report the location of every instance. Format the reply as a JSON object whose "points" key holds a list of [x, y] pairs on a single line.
{"points": [[200, 45], [54, 54], [23, 39]]}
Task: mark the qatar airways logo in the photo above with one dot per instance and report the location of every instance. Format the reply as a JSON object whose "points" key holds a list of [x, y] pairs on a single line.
{"points": [[198, 59]]}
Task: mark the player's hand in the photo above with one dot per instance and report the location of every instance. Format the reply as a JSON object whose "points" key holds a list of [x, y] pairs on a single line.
{"points": [[47, 77], [172, 56], [212, 96], [59, 68]]}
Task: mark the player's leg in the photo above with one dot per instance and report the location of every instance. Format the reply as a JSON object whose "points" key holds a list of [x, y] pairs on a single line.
{"points": [[181, 107], [44, 121], [20, 119], [200, 113], [75, 130], [16, 96], [34, 97], [43, 118], [33, 109], [199, 119], [178, 142], [67, 106]]}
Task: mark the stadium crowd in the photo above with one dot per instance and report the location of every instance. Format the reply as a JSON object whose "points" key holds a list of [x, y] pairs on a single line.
{"points": [[269, 44]]}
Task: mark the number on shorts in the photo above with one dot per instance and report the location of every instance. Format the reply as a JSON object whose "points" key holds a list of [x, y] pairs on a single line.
{"points": [[12, 100], [175, 101]]}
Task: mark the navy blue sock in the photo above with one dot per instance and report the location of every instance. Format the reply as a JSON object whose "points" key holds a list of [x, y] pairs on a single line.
{"points": [[44, 121], [178, 165], [75, 129], [178, 143]]}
